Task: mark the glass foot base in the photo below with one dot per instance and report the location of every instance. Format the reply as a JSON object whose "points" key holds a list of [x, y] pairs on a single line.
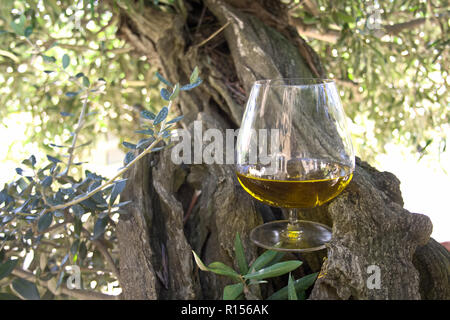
{"points": [[305, 237]]}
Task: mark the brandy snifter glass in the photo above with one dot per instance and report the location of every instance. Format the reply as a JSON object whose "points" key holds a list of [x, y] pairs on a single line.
{"points": [[294, 151]]}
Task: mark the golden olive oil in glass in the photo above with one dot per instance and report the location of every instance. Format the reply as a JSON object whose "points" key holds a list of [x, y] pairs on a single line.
{"points": [[298, 192]]}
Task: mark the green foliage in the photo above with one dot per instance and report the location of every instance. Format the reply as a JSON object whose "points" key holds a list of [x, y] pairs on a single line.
{"points": [[266, 266], [62, 62], [72, 40], [47, 198], [275, 270], [240, 255], [393, 82], [47, 208], [292, 293], [300, 286]]}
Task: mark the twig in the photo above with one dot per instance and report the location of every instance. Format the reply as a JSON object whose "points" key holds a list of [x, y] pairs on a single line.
{"points": [[80, 125], [84, 48], [54, 227], [202, 15], [38, 52], [110, 181], [332, 36], [104, 251], [9, 55], [75, 293], [213, 35]]}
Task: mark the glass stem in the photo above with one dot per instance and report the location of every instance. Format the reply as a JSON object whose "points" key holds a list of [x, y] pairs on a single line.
{"points": [[293, 232], [293, 218]]}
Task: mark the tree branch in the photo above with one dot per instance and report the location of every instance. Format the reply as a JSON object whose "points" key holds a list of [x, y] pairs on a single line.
{"points": [[398, 27], [75, 293], [213, 35], [332, 36], [80, 125], [311, 31], [310, 6], [107, 183], [54, 227], [104, 251]]}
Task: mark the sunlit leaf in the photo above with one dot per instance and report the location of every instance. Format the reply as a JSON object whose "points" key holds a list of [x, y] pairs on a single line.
{"points": [[146, 131], [147, 115], [194, 76], [165, 94], [174, 120], [161, 116], [53, 159], [128, 145], [175, 93], [19, 27], [65, 61], [117, 189], [191, 85], [199, 262], [128, 158], [48, 59], [163, 80], [86, 82], [72, 94]]}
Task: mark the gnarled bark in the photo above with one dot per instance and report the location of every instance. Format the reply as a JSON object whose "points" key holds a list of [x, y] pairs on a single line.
{"points": [[370, 227]]}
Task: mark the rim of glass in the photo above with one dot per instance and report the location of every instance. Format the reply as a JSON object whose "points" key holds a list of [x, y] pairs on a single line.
{"points": [[293, 81]]}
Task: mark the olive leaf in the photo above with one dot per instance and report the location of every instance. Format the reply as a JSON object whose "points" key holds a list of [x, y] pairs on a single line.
{"points": [[26, 289], [194, 75], [117, 189], [161, 116], [163, 80], [65, 61], [292, 294], [147, 115], [233, 291], [275, 270], [265, 259], [224, 270], [300, 286], [7, 267], [240, 255], [128, 145], [45, 221]]}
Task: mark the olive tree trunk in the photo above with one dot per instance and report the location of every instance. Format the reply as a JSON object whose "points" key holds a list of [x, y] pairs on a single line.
{"points": [[378, 250]]}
